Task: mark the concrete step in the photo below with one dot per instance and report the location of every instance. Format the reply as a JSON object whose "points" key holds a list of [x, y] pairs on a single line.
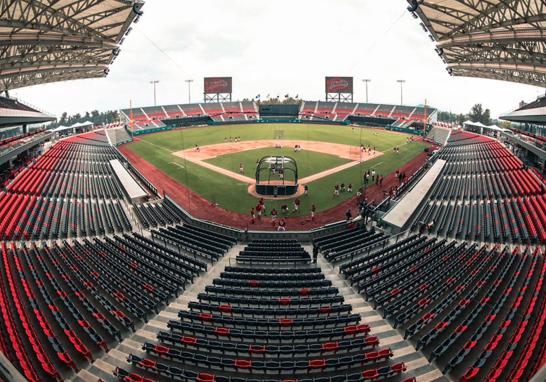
{"points": [[417, 365], [104, 366]]}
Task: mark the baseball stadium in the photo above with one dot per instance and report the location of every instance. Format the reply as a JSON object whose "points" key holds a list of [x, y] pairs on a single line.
{"points": [[271, 240]]}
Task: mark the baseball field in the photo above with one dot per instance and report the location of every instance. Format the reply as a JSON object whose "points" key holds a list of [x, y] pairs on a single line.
{"points": [[209, 160]]}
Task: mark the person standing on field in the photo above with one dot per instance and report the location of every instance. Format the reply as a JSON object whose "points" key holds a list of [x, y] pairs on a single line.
{"points": [[296, 205], [259, 211], [273, 214]]}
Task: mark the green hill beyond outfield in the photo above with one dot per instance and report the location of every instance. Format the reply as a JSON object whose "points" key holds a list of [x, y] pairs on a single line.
{"points": [[232, 195]]}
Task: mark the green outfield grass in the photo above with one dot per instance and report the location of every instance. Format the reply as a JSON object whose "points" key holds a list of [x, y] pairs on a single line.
{"points": [[232, 195], [309, 162]]}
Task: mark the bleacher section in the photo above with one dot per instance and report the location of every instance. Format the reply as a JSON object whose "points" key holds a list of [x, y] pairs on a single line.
{"points": [[195, 240], [93, 138], [82, 292], [473, 310], [341, 246], [118, 136], [439, 135], [485, 193], [266, 322], [9, 144], [63, 305], [70, 191], [249, 109], [400, 116], [156, 214], [385, 111]]}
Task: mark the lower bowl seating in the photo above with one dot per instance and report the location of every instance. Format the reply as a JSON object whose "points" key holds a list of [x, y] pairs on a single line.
{"points": [[267, 322], [476, 311]]}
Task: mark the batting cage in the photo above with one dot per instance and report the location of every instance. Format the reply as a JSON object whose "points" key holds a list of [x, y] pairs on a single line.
{"points": [[276, 175]]}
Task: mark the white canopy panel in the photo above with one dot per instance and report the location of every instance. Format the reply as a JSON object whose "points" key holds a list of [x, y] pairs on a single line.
{"points": [[130, 185], [399, 215]]}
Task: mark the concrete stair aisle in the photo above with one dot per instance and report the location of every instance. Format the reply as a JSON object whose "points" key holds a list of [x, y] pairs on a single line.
{"points": [[103, 367], [131, 215], [418, 366]]}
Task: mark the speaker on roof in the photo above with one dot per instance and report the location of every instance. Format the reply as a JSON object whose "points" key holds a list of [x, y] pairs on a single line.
{"points": [[413, 5], [137, 7]]}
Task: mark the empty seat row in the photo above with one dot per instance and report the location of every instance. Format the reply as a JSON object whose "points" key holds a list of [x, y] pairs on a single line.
{"points": [[194, 240], [350, 242], [472, 309], [156, 214], [484, 193], [37, 218], [267, 326], [486, 186], [64, 304], [515, 220]]}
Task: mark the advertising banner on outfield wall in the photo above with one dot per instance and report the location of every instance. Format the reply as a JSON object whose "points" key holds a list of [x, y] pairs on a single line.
{"points": [[214, 85], [339, 84]]}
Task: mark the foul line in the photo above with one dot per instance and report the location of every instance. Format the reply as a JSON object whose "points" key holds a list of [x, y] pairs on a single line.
{"points": [[177, 164], [156, 145]]}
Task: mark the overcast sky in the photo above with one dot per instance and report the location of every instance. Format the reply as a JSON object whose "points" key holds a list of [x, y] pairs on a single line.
{"points": [[277, 47]]}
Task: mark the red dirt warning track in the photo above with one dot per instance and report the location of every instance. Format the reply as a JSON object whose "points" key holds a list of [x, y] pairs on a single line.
{"points": [[200, 208]]}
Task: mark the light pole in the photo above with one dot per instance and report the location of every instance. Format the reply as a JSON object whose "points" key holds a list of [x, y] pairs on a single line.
{"points": [[366, 81], [401, 82], [154, 82], [189, 90]]}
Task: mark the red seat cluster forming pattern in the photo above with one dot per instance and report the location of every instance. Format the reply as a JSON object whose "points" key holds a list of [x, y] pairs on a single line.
{"points": [[266, 318], [153, 116], [62, 305], [477, 311], [69, 191], [485, 193], [75, 281]]}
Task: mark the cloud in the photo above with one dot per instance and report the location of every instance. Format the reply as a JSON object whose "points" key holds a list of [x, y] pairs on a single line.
{"points": [[278, 47]]}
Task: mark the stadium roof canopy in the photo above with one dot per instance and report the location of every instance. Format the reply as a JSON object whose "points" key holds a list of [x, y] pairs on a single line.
{"points": [[45, 41], [496, 39]]}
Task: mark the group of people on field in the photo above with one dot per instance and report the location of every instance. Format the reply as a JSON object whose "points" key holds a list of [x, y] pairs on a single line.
{"points": [[342, 188], [370, 149], [278, 217], [279, 222]]}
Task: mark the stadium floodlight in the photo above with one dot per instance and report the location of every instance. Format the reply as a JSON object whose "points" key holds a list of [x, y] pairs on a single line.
{"points": [[401, 82], [189, 81], [154, 82], [366, 81]]}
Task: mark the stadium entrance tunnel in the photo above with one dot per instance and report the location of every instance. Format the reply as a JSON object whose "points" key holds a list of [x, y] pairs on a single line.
{"points": [[276, 176]]}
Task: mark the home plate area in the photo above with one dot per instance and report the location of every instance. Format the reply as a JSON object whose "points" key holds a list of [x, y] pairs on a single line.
{"points": [[200, 155]]}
